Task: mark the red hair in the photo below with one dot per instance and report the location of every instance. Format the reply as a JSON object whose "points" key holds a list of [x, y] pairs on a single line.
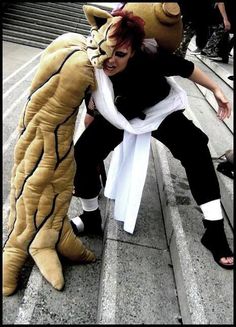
{"points": [[129, 30]]}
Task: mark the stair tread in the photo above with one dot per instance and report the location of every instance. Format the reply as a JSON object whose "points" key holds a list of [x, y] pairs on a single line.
{"points": [[19, 19], [26, 9]]}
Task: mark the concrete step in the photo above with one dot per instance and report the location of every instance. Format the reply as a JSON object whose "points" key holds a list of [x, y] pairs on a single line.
{"points": [[20, 74], [40, 30], [219, 70], [38, 24], [64, 9], [46, 11], [38, 36], [43, 20], [21, 20], [29, 43]]}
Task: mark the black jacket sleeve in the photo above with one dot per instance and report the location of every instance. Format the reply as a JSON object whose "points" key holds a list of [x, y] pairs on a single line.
{"points": [[172, 65]]}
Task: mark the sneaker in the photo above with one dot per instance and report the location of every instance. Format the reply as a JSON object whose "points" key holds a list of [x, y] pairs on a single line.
{"points": [[196, 51], [209, 55], [89, 222], [220, 59]]}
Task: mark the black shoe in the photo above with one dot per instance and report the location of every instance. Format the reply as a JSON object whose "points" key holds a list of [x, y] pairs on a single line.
{"points": [[224, 60], [226, 168], [215, 241], [231, 77], [89, 222]]}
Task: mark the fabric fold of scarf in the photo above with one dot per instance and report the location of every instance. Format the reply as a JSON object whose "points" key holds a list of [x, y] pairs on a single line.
{"points": [[128, 167]]}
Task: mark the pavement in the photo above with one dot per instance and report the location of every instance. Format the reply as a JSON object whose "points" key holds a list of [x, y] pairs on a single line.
{"points": [[15, 56], [159, 275]]}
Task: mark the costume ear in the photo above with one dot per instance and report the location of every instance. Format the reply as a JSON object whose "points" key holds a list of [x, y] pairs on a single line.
{"points": [[96, 16]]}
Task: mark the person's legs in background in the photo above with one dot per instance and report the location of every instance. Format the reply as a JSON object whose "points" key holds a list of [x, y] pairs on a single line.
{"points": [[211, 48], [223, 48], [231, 45], [202, 36], [188, 33]]}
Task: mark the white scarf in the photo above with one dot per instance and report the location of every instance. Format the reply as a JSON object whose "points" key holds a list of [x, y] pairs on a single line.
{"points": [[128, 167]]}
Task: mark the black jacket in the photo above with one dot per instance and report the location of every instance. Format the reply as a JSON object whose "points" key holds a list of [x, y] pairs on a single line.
{"points": [[143, 83]]}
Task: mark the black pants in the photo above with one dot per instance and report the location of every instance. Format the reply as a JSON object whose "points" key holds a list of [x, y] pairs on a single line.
{"points": [[185, 141]]}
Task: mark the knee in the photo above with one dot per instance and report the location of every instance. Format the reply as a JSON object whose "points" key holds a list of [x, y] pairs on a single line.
{"points": [[200, 138], [194, 147]]}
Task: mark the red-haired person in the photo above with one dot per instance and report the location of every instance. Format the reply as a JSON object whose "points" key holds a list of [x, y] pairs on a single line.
{"points": [[140, 82]]}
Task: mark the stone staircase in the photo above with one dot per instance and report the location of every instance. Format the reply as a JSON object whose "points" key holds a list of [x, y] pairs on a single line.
{"points": [[37, 24], [159, 275]]}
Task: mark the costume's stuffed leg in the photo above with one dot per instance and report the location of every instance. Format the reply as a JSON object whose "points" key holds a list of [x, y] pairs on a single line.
{"points": [[44, 165], [15, 251], [13, 261], [56, 197], [43, 251], [14, 256], [21, 222], [57, 234]]}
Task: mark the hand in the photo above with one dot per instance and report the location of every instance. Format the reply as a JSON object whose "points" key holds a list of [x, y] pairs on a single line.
{"points": [[88, 120], [89, 117], [224, 109], [227, 25]]}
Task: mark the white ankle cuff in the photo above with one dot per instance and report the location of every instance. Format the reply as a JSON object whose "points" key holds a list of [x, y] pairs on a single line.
{"points": [[89, 204], [78, 223], [212, 210]]}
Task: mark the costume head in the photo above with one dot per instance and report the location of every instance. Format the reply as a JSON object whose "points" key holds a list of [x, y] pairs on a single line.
{"points": [[162, 21]]}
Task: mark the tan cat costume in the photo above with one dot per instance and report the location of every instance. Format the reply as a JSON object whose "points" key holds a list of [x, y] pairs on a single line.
{"points": [[44, 166]]}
